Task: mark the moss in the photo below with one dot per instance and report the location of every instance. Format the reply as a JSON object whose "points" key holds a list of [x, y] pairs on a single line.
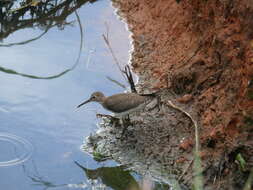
{"points": [[248, 121], [250, 94], [241, 161], [250, 89], [99, 157]]}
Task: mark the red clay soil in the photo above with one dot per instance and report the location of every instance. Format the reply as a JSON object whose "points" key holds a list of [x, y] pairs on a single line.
{"points": [[202, 50]]}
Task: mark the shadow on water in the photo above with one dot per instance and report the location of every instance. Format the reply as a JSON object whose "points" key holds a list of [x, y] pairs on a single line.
{"points": [[38, 180], [45, 15], [116, 178]]}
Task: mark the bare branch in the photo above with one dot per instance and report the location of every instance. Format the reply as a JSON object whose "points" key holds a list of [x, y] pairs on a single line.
{"points": [[116, 82], [113, 55]]}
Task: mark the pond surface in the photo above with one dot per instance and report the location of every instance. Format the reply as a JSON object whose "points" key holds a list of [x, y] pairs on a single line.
{"points": [[41, 130]]}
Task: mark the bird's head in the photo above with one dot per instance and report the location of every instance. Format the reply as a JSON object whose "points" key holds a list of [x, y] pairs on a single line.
{"points": [[95, 97]]}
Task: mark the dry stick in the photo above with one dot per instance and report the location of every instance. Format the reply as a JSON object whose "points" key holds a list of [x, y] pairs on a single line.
{"points": [[186, 169], [113, 55], [116, 82], [127, 72], [195, 123], [197, 161], [129, 76], [193, 120]]}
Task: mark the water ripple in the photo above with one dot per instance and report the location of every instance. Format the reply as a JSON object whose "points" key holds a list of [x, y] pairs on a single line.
{"points": [[23, 149]]}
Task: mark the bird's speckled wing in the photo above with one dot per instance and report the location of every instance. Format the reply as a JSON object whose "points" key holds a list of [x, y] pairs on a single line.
{"points": [[122, 102]]}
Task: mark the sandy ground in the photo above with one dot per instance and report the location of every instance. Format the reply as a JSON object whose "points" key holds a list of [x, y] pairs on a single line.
{"points": [[203, 52]]}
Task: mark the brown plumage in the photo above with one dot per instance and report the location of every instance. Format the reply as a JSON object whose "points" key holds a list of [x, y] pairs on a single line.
{"points": [[118, 103]]}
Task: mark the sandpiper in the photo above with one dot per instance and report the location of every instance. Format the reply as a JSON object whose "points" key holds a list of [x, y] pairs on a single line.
{"points": [[120, 104]]}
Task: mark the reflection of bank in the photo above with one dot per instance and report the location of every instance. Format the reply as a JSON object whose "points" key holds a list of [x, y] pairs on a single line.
{"points": [[43, 16], [116, 178], [38, 180], [119, 178]]}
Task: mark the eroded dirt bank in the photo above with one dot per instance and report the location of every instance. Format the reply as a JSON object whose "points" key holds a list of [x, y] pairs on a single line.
{"points": [[203, 52]]}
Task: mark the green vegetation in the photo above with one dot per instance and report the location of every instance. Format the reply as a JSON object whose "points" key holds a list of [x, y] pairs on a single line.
{"points": [[250, 94], [249, 181], [198, 177], [248, 121], [99, 157], [240, 160]]}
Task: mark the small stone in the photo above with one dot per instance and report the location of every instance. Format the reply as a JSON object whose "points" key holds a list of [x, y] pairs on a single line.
{"points": [[181, 160], [186, 144], [185, 99]]}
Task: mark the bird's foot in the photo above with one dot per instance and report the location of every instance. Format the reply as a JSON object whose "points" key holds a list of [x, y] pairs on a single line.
{"points": [[125, 123], [123, 131]]}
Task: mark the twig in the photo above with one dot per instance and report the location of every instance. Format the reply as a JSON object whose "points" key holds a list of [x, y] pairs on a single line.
{"points": [[186, 169], [126, 73], [130, 79], [116, 82], [198, 181], [113, 55], [195, 123]]}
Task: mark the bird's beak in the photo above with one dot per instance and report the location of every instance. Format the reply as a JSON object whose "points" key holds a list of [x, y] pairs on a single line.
{"points": [[87, 101]]}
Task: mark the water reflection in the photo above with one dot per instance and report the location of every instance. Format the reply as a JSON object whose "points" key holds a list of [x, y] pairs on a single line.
{"points": [[116, 178], [38, 180], [22, 149], [10, 71], [43, 111], [17, 15]]}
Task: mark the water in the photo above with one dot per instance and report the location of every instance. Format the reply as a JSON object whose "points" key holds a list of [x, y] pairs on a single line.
{"points": [[41, 130], [22, 149]]}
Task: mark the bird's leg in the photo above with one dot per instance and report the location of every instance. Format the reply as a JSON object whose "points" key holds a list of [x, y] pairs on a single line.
{"points": [[126, 119], [159, 103], [125, 122]]}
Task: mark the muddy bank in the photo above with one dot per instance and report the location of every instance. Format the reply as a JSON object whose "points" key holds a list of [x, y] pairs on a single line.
{"points": [[202, 51], [141, 142]]}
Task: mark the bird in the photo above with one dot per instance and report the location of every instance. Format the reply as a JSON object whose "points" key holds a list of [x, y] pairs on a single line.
{"points": [[120, 104]]}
